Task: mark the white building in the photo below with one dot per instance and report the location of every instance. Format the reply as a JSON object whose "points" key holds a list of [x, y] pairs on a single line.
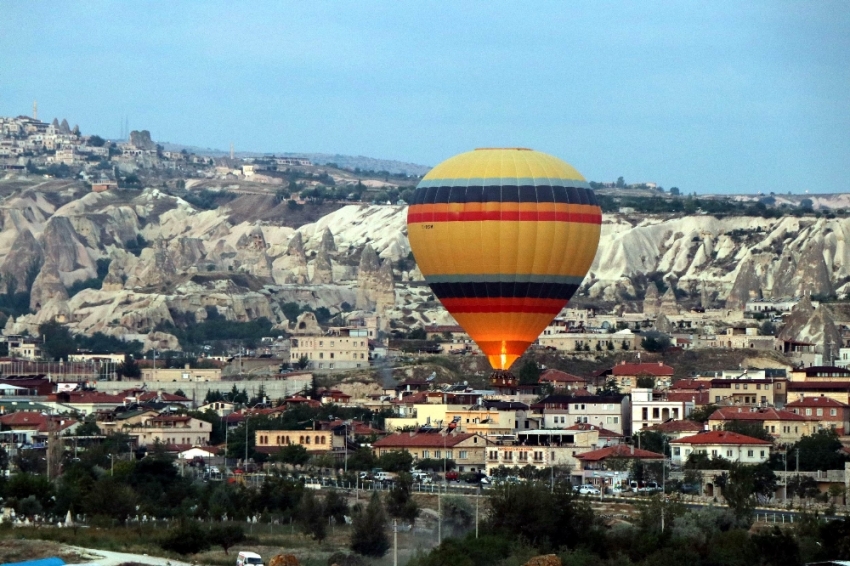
{"points": [[721, 443], [647, 412]]}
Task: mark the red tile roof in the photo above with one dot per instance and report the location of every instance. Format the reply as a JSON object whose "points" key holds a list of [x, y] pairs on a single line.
{"points": [[678, 426], [22, 418], [721, 437], [168, 397], [759, 414], [557, 376], [656, 369], [817, 402], [427, 440], [698, 397], [690, 383], [603, 432], [619, 451]]}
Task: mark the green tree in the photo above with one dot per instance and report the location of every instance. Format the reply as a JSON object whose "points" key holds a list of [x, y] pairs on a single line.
{"points": [[129, 368], [701, 414], [368, 536], [361, 460], [529, 374], [227, 535], [294, 454], [311, 516], [753, 430], [645, 382], [400, 504], [187, 538], [820, 451], [396, 461], [610, 388], [58, 341], [655, 341]]}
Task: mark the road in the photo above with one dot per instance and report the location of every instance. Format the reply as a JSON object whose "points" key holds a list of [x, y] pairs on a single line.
{"points": [[109, 558]]}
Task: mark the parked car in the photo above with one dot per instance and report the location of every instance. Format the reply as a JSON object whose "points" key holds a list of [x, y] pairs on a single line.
{"points": [[421, 477], [383, 476], [452, 476], [249, 559], [589, 489]]}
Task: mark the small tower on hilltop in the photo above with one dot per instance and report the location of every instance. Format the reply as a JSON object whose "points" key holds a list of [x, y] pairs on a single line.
{"points": [[35, 109], [231, 150]]}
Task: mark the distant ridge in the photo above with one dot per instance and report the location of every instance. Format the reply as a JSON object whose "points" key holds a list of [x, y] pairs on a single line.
{"points": [[344, 161]]}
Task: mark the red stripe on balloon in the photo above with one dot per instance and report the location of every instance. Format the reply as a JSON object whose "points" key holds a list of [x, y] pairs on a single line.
{"points": [[504, 304], [515, 216]]}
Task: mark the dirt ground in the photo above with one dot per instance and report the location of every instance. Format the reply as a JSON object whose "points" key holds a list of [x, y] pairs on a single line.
{"points": [[18, 550]]}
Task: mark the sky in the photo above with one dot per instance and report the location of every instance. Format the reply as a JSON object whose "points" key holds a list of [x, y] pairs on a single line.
{"points": [[711, 97]]}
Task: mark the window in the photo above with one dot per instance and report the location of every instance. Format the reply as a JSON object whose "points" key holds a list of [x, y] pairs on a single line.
{"points": [[677, 451], [425, 454], [714, 453], [750, 453], [728, 453], [449, 454], [737, 386], [717, 398], [463, 455], [820, 412], [437, 454], [758, 386], [832, 412], [762, 453], [616, 420], [808, 412], [745, 387]]}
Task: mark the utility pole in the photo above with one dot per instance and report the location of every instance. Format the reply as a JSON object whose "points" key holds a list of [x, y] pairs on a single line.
{"points": [[245, 465], [439, 519], [785, 491], [395, 542], [477, 499]]}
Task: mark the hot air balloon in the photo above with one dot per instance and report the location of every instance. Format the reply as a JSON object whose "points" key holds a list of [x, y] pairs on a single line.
{"points": [[504, 238]]}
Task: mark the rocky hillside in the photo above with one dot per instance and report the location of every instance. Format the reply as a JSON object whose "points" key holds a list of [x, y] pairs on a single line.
{"points": [[169, 262]]}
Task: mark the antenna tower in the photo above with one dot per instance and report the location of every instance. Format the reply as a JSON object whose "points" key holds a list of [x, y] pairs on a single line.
{"points": [[231, 150], [35, 109]]}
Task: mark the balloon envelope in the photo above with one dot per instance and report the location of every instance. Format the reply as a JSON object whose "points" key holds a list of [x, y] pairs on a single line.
{"points": [[504, 238]]}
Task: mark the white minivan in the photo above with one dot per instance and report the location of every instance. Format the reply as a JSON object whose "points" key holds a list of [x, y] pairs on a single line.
{"points": [[249, 559]]}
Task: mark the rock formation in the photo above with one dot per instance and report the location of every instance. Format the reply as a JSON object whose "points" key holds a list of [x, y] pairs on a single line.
{"points": [[651, 300], [142, 140], [322, 269], [327, 244], [663, 324], [668, 304], [47, 286], [22, 264]]}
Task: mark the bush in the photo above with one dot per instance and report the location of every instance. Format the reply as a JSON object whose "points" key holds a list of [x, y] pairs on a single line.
{"points": [[227, 535], [188, 538], [369, 536]]}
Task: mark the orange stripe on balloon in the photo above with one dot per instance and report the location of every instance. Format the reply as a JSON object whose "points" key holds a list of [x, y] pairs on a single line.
{"points": [[500, 215]]}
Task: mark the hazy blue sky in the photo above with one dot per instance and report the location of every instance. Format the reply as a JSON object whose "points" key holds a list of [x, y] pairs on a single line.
{"points": [[708, 96]]}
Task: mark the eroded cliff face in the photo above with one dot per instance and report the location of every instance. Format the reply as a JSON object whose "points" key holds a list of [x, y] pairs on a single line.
{"points": [[169, 260]]}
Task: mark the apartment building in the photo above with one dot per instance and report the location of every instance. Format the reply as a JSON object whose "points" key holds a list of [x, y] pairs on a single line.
{"points": [[466, 449], [649, 410], [767, 392], [314, 441], [721, 443], [784, 426], [542, 449], [340, 348], [825, 413], [612, 412]]}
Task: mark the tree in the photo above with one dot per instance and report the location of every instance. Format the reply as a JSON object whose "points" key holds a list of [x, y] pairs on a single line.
{"points": [[129, 368], [368, 536], [311, 516], [820, 451], [804, 487], [88, 428], [701, 414], [529, 374], [188, 538], [674, 191], [58, 341], [767, 328], [302, 362], [739, 485], [396, 461], [655, 341], [362, 459], [336, 506], [753, 430], [399, 503], [610, 388], [621, 183], [227, 535], [645, 382], [294, 454]]}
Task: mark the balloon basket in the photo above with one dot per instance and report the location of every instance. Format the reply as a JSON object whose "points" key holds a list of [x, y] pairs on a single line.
{"points": [[502, 379]]}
